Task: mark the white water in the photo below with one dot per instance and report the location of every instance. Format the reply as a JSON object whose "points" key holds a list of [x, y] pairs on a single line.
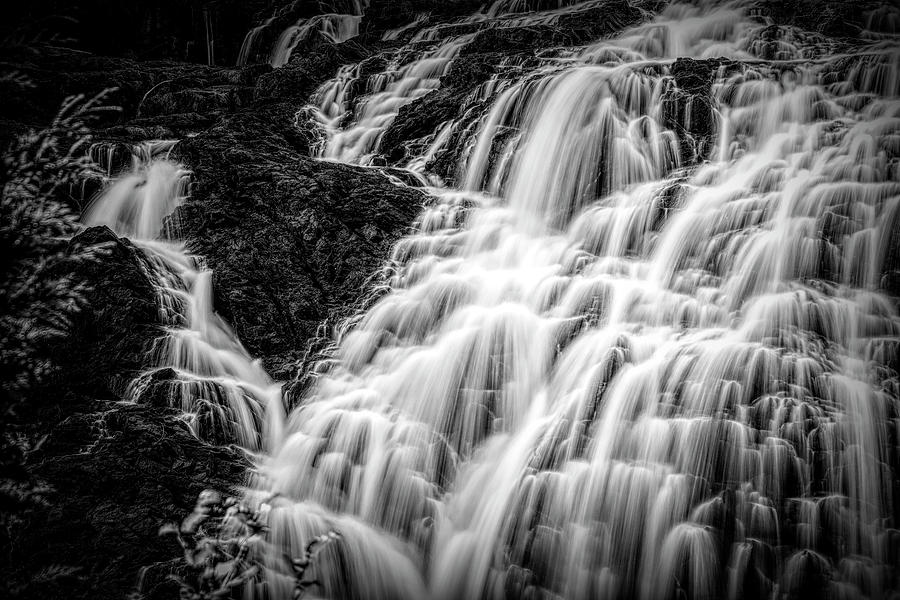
{"points": [[597, 374], [386, 94], [222, 394], [354, 114], [334, 27]]}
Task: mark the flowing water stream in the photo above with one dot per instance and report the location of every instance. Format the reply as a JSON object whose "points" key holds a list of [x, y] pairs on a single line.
{"points": [[609, 369], [334, 27], [197, 365]]}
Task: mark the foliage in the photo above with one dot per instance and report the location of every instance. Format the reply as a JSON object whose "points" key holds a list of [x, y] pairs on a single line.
{"points": [[221, 540], [300, 565], [38, 173]]}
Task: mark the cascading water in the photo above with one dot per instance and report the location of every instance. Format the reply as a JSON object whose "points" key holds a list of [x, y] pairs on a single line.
{"points": [[354, 114], [599, 374], [386, 94], [197, 365], [334, 27]]}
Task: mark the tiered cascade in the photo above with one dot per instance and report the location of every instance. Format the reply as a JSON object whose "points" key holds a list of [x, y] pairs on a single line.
{"points": [[605, 368]]}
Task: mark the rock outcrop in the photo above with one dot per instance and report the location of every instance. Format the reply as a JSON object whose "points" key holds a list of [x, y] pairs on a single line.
{"points": [[689, 109], [292, 241]]}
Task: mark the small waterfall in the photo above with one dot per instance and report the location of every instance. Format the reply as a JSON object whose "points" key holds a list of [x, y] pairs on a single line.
{"points": [[248, 46], [198, 365], [386, 93], [603, 371], [334, 27]]}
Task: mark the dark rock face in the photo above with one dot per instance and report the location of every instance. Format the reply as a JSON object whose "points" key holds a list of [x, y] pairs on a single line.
{"points": [[689, 109], [570, 29], [111, 335], [389, 14], [419, 118], [299, 78], [185, 96], [292, 241], [117, 475], [836, 18], [161, 99]]}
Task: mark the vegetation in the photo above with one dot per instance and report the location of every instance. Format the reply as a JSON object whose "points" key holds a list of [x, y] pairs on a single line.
{"points": [[39, 172], [221, 540], [37, 175]]}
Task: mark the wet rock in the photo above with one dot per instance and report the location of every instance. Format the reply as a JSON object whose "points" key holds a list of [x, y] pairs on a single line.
{"points": [[493, 51], [110, 336], [890, 278], [292, 241], [689, 109], [300, 77], [155, 388], [419, 119], [569, 29], [280, 16], [383, 15], [836, 18]]}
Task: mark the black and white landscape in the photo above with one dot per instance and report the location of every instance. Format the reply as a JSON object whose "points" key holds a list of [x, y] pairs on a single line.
{"points": [[439, 300]]}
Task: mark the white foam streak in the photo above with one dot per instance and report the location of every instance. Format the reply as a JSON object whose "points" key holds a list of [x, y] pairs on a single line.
{"points": [[202, 367]]}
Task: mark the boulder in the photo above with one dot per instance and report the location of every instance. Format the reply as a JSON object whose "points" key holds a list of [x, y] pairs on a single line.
{"points": [[116, 475], [111, 334], [292, 241]]}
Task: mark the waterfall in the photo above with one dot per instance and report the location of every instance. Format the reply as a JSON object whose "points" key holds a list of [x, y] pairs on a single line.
{"points": [[386, 93], [334, 27], [198, 365], [354, 123], [607, 369], [248, 46]]}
